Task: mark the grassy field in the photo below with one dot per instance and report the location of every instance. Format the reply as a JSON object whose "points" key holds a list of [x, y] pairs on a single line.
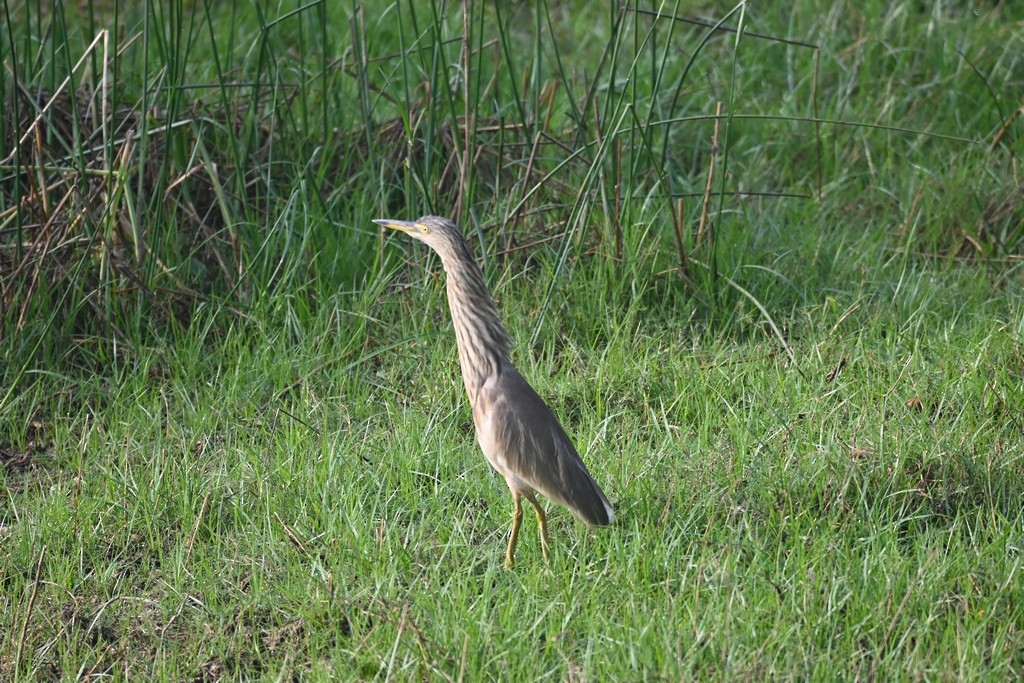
{"points": [[788, 340]]}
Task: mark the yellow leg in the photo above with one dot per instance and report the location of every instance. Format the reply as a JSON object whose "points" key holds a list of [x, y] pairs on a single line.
{"points": [[517, 521], [542, 522]]}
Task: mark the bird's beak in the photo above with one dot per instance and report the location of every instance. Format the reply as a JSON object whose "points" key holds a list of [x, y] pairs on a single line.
{"points": [[405, 226]]}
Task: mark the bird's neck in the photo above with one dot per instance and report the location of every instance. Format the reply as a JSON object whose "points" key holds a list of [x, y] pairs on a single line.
{"points": [[483, 343]]}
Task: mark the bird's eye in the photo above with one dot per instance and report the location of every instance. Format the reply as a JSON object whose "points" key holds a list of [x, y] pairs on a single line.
{"points": [[424, 229]]}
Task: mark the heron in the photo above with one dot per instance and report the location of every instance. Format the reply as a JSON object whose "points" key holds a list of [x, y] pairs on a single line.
{"points": [[517, 432]]}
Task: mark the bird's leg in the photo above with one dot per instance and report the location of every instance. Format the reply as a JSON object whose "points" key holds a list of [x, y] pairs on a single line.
{"points": [[517, 521], [542, 522]]}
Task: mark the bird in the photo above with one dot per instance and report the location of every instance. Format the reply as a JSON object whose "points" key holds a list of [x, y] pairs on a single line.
{"points": [[517, 432]]}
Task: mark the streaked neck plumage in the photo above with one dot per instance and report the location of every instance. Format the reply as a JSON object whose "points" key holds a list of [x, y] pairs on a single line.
{"points": [[483, 343]]}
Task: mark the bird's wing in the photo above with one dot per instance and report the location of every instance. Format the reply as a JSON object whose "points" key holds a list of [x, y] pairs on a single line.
{"points": [[538, 452]]}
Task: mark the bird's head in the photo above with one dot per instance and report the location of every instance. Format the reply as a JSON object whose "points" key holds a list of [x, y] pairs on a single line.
{"points": [[440, 234]]}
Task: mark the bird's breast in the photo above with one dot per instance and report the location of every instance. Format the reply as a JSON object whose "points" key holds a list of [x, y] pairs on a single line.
{"points": [[487, 428]]}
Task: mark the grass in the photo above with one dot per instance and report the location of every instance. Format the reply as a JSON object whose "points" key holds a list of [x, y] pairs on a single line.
{"points": [[233, 438]]}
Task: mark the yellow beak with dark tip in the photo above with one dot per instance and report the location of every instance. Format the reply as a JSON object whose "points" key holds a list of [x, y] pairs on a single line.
{"points": [[405, 226]]}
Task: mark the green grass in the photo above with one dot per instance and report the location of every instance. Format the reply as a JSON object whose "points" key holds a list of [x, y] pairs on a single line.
{"points": [[233, 437]]}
